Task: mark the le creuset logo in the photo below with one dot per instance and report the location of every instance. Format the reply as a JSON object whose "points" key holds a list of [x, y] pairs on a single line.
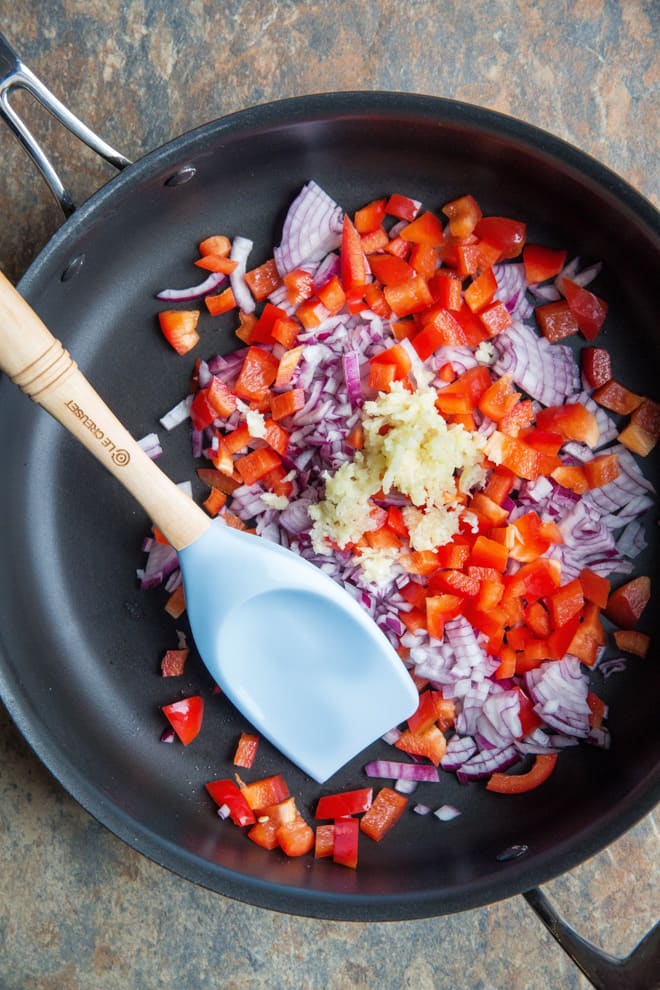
{"points": [[119, 456]]}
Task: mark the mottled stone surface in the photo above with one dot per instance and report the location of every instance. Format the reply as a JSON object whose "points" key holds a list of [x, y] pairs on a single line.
{"points": [[79, 909]]}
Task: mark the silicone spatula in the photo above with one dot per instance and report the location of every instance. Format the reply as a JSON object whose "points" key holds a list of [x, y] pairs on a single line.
{"points": [[291, 649]]}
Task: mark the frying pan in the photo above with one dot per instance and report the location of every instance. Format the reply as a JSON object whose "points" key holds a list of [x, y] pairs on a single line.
{"points": [[80, 645]]}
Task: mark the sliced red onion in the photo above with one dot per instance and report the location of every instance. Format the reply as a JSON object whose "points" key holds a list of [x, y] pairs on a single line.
{"points": [[193, 292], [391, 770], [546, 372], [512, 288], [582, 276], [421, 809], [559, 690], [459, 750], [447, 813], [545, 292], [632, 540], [167, 735], [487, 762], [499, 722], [295, 518], [240, 252], [312, 228], [540, 741], [328, 267]]}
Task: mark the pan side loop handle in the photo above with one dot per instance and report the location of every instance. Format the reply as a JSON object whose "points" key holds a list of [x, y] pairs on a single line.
{"points": [[640, 970], [14, 74]]}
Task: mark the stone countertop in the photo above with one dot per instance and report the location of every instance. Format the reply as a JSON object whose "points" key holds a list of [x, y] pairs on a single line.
{"points": [[78, 908]]}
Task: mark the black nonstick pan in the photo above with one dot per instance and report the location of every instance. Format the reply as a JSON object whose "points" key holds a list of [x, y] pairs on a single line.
{"points": [[80, 644]]}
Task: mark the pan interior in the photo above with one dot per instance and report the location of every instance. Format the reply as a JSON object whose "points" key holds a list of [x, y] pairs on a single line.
{"points": [[81, 646]]}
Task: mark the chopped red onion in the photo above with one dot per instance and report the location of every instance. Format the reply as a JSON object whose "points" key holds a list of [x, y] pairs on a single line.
{"points": [[193, 292], [240, 251], [421, 809], [447, 813], [547, 372], [404, 786], [151, 445], [486, 763], [178, 414], [391, 770], [613, 666], [459, 750]]}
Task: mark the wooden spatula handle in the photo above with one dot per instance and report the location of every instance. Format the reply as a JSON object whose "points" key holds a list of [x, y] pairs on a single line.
{"points": [[42, 368]]}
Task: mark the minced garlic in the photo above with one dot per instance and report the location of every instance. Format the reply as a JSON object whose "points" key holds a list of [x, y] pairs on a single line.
{"points": [[408, 448]]}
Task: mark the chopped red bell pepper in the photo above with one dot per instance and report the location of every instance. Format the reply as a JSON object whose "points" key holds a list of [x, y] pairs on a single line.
{"points": [[370, 217], [402, 207], [464, 214], [615, 396], [389, 269], [324, 842], [344, 803], [601, 470], [185, 717], [556, 321], [221, 303], [262, 793], [596, 366], [632, 641], [589, 310], [179, 327], [246, 750], [626, 604], [508, 783], [257, 374], [508, 236], [262, 281], [295, 838], [353, 264], [384, 813], [542, 263], [481, 291], [573, 420], [566, 602], [346, 839], [226, 792], [253, 466], [424, 229], [287, 403], [429, 743]]}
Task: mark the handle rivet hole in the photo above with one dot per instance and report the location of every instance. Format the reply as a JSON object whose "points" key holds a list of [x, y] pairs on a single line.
{"points": [[512, 852], [184, 175], [73, 268]]}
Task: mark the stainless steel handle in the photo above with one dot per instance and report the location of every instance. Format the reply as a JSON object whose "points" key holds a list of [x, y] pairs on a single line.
{"points": [[14, 74], [638, 971]]}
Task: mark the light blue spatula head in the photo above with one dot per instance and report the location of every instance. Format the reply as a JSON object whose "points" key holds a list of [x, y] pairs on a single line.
{"points": [[294, 652]]}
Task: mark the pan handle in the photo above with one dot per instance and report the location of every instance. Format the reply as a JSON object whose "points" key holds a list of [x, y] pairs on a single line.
{"points": [[14, 74], [638, 971]]}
